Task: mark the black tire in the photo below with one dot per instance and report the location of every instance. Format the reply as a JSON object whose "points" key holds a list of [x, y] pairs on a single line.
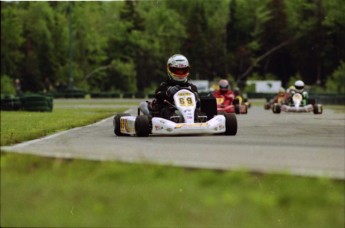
{"points": [[237, 109], [276, 108], [116, 123], [230, 124], [267, 106], [236, 101], [317, 109], [142, 126]]}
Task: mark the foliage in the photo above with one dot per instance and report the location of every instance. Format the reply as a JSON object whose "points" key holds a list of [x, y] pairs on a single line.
{"points": [[337, 81], [92, 45], [7, 85]]}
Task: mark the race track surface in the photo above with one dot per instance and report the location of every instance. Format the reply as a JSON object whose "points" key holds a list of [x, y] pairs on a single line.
{"points": [[294, 143]]}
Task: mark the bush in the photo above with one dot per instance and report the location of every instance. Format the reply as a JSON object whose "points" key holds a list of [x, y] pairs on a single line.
{"points": [[336, 83], [7, 85]]}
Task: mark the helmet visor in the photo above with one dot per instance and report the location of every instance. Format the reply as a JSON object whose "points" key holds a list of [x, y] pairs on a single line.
{"points": [[223, 85], [299, 87], [183, 72]]}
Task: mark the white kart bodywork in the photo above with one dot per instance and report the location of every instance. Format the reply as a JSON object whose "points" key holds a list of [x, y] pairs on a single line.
{"points": [[297, 106], [185, 103], [297, 101], [161, 126]]}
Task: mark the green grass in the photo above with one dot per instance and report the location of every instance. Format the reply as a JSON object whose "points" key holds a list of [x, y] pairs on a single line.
{"points": [[336, 108], [44, 192], [22, 126]]}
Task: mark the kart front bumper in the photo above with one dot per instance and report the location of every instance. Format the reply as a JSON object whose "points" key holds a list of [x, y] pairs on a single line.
{"points": [[307, 108], [161, 126]]}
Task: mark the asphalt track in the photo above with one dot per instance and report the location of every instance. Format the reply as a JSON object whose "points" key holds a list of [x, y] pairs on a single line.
{"points": [[294, 143]]}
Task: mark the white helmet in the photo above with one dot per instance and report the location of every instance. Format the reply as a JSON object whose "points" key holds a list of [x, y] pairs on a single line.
{"points": [[299, 86], [178, 68]]}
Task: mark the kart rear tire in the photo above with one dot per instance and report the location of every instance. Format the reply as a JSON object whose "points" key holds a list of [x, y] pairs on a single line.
{"points": [[267, 106], [116, 123], [317, 109], [142, 126], [276, 108], [236, 101], [237, 109], [230, 124]]}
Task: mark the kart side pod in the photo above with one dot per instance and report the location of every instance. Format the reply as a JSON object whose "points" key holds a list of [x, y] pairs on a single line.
{"points": [[143, 126]]}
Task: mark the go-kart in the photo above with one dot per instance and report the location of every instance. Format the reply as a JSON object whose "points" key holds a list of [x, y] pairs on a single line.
{"points": [[243, 101], [185, 119], [297, 105], [270, 102], [235, 107]]}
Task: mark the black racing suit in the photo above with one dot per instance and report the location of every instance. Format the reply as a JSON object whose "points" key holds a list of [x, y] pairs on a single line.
{"points": [[162, 108]]}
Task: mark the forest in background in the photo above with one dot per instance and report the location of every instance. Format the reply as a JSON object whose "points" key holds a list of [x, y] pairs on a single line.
{"points": [[124, 45]]}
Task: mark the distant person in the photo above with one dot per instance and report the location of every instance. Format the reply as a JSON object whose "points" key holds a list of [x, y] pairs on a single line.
{"points": [[47, 85], [299, 88], [18, 86], [224, 92], [280, 97]]}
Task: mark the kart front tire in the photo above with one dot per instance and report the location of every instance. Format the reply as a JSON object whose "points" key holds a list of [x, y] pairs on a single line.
{"points": [[142, 126], [317, 109], [237, 109], [230, 124], [116, 123], [276, 108]]}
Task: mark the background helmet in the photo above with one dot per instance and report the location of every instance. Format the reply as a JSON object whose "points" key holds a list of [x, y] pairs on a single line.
{"points": [[224, 85], [281, 90], [178, 68], [237, 91], [299, 86]]}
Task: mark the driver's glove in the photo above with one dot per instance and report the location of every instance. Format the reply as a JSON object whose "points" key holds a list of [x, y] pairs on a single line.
{"points": [[172, 90]]}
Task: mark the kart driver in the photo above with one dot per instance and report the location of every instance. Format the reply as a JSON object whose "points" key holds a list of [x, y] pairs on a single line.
{"points": [[224, 92], [280, 97], [299, 88], [177, 78]]}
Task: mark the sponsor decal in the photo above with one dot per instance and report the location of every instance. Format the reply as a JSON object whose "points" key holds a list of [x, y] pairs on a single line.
{"points": [[158, 128], [124, 125], [192, 126], [184, 94], [220, 100]]}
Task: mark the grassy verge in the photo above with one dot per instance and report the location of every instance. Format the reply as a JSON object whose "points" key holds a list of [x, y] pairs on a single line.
{"points": [[44, 192], [39, 192], [22, 126]]}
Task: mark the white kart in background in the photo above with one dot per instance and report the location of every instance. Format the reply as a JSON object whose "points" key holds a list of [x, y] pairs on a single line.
{"points": [[298, 106], [183, 121]]}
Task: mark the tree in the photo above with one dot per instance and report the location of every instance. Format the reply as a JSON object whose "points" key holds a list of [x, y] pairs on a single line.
{"points": [[195, 46], [274, 56], [11, 40], [38, 46]]}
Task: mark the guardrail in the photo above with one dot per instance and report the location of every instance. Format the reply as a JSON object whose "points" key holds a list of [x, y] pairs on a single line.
{"points": [[322, 98], [44, 102], [27, 102]]}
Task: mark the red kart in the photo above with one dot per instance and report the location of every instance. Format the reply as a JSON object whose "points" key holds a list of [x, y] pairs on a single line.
{"points": [[235, 107]]}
